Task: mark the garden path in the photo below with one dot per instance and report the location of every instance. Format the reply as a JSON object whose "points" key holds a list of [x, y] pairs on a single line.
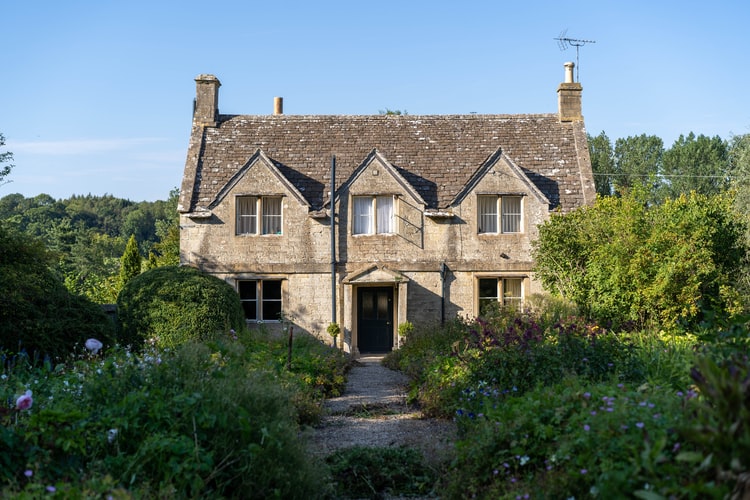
{"points": [[373, 411]]}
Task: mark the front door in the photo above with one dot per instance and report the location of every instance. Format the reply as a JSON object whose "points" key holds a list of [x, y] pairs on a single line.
{"points": [[375, 319]]}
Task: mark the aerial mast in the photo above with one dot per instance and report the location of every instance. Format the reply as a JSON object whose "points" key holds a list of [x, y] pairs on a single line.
{"points": [[564, 42]]}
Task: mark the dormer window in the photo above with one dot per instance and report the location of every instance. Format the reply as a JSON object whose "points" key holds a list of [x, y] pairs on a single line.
{"points": [[499, 214], [247, 219], [372, 215]]}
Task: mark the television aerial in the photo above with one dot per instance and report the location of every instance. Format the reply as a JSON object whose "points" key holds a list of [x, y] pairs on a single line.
{"points": [[564, 42]]}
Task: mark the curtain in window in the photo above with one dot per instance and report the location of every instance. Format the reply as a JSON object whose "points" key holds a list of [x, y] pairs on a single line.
{"points": [[247, 215], [271, 215], [362, 215], [512, 294], [385, 214], [511, 214], [487, 214]]}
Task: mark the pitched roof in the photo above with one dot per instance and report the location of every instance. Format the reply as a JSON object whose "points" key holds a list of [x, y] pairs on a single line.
{"points": [[436, 154]]}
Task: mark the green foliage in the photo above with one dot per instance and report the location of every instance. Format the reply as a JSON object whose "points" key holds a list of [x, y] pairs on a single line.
{"points": [[623, 261], [87, 235], [602, 163], [5, 158], [699, 164], [638, 162], [333, 330], [168, 306], [130, 263], [197, 421], [361, 472], [37, 313], [513, 353], [573, 439], [720, 418]]}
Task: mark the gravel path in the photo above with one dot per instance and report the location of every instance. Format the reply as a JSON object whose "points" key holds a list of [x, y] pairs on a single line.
{"points": [[373, 412]]}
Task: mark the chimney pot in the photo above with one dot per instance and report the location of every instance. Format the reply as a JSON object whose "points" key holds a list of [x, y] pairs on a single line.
{"points": [[278, 105], [569, 71]]}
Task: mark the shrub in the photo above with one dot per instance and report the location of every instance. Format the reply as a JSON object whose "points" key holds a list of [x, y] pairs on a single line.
{"points": [[194, 422], [361, 472], [38, 314], [168, 306], [511, 350], [574, 440]]}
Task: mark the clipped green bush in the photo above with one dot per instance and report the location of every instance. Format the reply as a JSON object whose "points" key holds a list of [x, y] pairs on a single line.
{"points": [[168, 306], [38, 314]]}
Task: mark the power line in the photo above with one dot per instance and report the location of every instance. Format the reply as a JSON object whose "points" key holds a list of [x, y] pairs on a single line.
{"points": [[664, 175]]}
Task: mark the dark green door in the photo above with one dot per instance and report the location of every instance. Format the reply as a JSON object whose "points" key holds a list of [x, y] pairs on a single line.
{"points": [[375, 319]]}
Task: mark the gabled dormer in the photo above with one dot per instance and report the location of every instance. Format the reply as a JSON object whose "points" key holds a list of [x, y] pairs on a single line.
{"points": [[379, 200], [502, 196], [257, 194]]}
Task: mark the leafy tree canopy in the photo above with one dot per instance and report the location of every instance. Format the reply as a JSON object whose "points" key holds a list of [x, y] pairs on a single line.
{"points": [[626, 261]]}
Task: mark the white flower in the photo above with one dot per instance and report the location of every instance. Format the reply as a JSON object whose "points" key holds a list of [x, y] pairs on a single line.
{"points": [[111, 435], [93, 345]]}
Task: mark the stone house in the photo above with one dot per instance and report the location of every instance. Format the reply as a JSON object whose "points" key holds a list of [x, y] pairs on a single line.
{"points": [[433, 215]]}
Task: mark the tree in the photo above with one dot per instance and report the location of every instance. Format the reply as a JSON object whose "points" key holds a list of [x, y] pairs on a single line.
{"points": [[698, 164], [638, 163], [5, 158], [37, 312], [625, 260], [130, 264], [602, 163]]}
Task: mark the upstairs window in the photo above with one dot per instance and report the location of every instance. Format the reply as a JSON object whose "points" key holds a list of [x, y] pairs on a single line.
{"points": [[372, 215], [507, 292], [499, 214], [248, 208], [260, 299]]}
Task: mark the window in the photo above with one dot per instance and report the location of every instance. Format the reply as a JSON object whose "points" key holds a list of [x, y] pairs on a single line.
{"points": [[508, 208], [504, 291], [248, 208], [261, 299], [372, 215]]}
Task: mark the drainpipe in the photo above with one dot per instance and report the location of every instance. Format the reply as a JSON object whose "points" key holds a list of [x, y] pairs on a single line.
{"points": [[443, 269], [333, 243]]}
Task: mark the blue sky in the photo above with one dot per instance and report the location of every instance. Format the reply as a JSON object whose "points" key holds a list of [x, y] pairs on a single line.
{"points": [[97, 96]]}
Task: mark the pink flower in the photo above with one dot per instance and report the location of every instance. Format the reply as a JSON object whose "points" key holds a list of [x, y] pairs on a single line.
{"points": [[24, 402], [93, 345]]}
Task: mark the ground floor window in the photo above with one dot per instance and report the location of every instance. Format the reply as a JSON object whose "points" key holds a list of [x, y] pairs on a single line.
{"points": [[261, 299], [504, 291]]}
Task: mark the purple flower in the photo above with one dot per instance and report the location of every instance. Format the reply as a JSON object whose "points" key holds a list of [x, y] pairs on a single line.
{"points": [[639, 425], [28, 473], [51, 489], [584, 471], [586, 427], [593, 412], [676, 448], [24, 402], [587, 395]]}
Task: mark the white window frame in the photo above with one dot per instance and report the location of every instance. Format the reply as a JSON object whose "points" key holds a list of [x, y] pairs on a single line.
{"points": [[264, 299], [373, 214], [259, 215], [499, 214], [504, 288]]}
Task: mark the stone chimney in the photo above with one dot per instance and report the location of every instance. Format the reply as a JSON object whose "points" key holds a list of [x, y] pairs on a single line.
{"points": [[206, 105], [569, 97], [278, 105]]}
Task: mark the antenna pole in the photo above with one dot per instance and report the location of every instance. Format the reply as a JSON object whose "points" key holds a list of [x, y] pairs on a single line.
{"points": [[563, 42]]}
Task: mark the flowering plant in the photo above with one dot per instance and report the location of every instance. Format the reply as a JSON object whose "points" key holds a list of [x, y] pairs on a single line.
{"points": [[25, 401]]}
